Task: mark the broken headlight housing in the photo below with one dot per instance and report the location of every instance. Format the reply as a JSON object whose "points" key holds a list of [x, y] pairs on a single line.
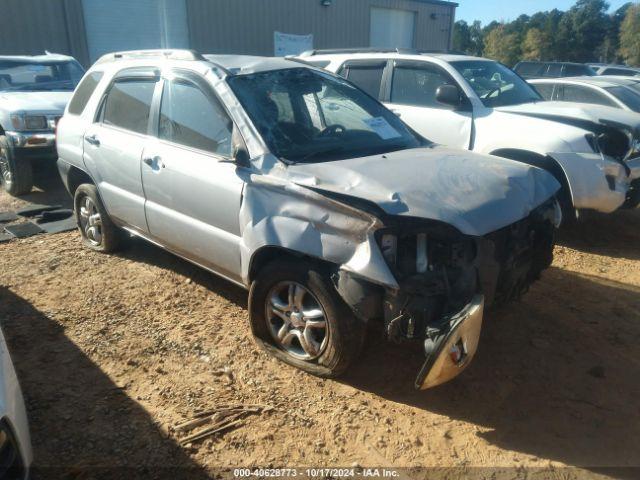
{"points": [[614, 143]]}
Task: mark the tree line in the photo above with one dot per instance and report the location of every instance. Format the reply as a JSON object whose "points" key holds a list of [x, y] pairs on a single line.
{"points": [[584, 33]]}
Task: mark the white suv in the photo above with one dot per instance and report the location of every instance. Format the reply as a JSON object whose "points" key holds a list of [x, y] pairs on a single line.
{"points": [[291, 182], [481, 105]]}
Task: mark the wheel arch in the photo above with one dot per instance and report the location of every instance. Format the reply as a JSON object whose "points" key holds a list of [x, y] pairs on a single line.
{"points": [[75, 178], [545, 162], [268, 253]]}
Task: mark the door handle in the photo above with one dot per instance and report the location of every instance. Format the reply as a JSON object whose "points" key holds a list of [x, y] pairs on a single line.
{"points": [[93, 140], [154, 160]]}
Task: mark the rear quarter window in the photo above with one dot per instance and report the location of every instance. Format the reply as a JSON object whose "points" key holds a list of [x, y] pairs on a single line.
{"points": [[83, 93], [544, 89]]}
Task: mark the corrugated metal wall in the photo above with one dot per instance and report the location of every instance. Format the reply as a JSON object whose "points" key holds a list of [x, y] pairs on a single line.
{"points": [[247, 26], [223, 26], [29, 27]]}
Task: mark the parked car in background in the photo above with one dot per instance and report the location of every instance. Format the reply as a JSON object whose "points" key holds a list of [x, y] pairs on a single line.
{"points": [[15, 443], [618, 70], [34, 91], [291, 182], [552, 69], [481, 105], [616, 92]]}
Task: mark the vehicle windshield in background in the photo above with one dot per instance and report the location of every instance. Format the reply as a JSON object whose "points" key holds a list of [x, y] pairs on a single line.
{"points": [[308, 116], [41, 76], [627, 96], [495, 84]]}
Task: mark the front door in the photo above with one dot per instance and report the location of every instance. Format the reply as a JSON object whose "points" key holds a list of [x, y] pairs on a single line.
{"points": [[192, 190], [412, 96]]}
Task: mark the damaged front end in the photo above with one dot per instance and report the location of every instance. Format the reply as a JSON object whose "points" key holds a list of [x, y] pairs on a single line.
{"points": [[445, 279]]}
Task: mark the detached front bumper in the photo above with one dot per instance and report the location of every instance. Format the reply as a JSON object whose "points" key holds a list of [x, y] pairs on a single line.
{"points": [[450, 351]]}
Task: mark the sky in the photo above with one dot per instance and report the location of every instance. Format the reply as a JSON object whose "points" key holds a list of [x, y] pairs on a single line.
{"points": [[488, 10]]}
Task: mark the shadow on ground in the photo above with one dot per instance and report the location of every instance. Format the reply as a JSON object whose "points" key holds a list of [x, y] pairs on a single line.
{"points": [[556, 375], [615, 234], [139, 250], [102, 433]]}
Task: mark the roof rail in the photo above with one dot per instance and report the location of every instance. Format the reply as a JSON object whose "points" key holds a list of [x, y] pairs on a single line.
{"points": [[335, 51], [169, 54]]}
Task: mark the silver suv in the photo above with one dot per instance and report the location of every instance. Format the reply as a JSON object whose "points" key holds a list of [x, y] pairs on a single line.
{"points": [[34, 91], [296, 185]]}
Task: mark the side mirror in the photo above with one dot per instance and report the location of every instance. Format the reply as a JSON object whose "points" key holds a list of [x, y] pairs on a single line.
{"points": [[449, 95]]}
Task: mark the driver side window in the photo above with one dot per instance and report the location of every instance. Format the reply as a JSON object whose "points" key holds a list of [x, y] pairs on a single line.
{"points": [[189, 117], [417, 86]]}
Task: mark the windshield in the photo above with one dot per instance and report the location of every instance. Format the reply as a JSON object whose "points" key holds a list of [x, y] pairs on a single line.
{"points": [[627, 96], [308, 116], [495, 84], [39, 76]]}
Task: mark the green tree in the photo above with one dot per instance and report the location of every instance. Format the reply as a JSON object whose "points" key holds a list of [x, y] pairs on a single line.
{"points": [[462, 37], [589, 25], [630, 36], [502, 46], [477, 38], [536, 45]]}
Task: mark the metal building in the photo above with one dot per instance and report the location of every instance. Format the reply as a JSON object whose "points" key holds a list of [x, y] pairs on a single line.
{"points": [[88, 28]]}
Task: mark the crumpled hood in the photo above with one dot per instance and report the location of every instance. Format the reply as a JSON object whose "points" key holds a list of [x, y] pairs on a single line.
{"points": [[477, 194], [566, 111], [42, 102]]}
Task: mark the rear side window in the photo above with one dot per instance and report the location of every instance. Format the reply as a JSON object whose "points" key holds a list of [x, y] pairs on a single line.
{"points": [[367, 77], [128, 104], [83, 93], [577, 71], [544, 89], [619, 71], [526, 69], [554, 70], [574, 93], [417, 86], [191, 118]]}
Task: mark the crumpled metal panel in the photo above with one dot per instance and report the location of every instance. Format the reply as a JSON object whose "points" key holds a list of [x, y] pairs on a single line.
{"points": [[477, 194], [589, 188], [279, 213]]}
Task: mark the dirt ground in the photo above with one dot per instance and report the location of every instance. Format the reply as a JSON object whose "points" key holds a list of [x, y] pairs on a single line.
{"points": [[113, 351]]}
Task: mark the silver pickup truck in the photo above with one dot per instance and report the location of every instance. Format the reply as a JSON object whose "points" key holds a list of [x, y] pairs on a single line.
{"points": [[34, 91]]}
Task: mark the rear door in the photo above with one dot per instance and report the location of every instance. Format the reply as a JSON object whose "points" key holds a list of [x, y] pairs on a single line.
{"points": [[411, 94], [584, 94], [114, 143], [193, 192]]}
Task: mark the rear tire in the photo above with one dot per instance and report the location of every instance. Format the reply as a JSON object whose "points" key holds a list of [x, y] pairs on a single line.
{"points": [[330, 350], [97, 230], [16, 174]]}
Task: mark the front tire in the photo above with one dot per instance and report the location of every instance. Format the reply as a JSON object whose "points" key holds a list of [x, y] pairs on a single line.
{"points": [[298, 317], [16, 174], [97, 230]]}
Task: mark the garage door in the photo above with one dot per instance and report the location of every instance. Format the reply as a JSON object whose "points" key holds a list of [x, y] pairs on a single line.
{"points": [[392, 28], [134, 25]]}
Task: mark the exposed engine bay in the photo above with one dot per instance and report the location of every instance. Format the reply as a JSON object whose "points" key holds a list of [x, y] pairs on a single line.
{"points": [[445, 279]]}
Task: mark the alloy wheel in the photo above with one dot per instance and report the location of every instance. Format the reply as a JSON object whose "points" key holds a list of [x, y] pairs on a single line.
{"points": [[90, 221], [297, 321], [5, 172]]}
